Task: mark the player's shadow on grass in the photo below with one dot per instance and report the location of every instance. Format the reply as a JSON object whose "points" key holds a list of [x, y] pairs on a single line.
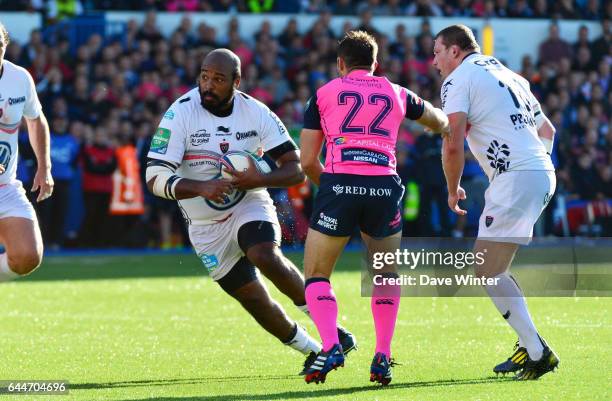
{"points": [[306, 393]]}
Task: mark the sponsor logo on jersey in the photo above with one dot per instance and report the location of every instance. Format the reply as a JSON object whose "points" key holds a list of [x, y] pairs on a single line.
{"points": [[340, 140], [199, 137], [210, 262], [223, 131], [327, 222], [245, 135], [547, 198], [281, 127], [169, 115], [487, 62], [365, 156], [16, 100], [519, 121], [1, 113], [5, 155], [224, 146], [358, 190], [159, 143], [326, 298], [488, 221], [498, 156]]}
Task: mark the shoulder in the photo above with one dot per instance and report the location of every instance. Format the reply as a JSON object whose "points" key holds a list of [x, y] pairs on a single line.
{"points": [[250, 103], [184, 104], [328, 87], [16, 71]]}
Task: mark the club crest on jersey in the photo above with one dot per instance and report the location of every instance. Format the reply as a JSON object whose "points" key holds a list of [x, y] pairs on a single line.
{"points": [[224, 146], [488, 221]]}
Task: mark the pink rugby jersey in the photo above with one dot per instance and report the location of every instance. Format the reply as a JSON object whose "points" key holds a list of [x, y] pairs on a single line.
{"points": [[360, 115]]}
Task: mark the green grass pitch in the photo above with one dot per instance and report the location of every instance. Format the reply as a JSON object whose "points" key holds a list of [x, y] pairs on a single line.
{"points": [[156, 328]]}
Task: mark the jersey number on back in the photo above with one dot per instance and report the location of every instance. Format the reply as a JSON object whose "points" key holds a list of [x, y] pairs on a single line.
{"points": [[514, 90], [374, 99]]}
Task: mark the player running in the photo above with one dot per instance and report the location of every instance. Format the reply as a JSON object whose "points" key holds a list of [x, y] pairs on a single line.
{"points": [[358, 115], [232, 224], [19, 231], [511, 139]]}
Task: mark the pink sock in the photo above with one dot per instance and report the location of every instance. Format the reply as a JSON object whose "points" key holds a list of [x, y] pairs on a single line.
{"points": [[385, 304], [321, 302]]}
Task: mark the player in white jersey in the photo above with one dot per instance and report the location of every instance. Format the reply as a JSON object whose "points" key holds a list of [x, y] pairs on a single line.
{"points": [[19, 231], [232, 224], [511, 138]]}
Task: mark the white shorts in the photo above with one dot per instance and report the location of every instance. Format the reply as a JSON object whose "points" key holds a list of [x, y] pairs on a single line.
{"points": [[217, 244], [513, 204], [14, 203]]}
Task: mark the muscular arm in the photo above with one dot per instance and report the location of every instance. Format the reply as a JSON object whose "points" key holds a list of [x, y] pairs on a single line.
{"points": [[170, 186], [452, 151], [311, 143], [434, 119], [38, 132], [546, 132], [288, 173]]}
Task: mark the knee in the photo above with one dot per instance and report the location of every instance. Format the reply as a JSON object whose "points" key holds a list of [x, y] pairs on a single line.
{"points": [[266, 258], [24, 262]]}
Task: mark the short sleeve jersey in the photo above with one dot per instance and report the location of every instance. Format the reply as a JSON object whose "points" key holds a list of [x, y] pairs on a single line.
{"points": [[501, 112], [194, 139], [360, 115], [18, 99]]}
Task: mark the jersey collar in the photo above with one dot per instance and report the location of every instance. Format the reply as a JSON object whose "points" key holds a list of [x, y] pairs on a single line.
{"points": [[468, 55], [358, 73]]}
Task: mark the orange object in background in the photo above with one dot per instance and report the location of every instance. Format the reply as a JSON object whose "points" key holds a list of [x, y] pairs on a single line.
{"points": [[127, 196]]}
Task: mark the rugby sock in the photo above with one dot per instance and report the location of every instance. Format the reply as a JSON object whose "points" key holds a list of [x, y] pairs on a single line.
{"points": [[510, 302], [6, 273], [385, 304], [304, 308], [323, 309], [302, 342]]}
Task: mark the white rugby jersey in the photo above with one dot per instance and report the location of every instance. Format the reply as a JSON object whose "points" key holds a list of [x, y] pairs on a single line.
{"points": [[501, 112], [18, 99], [194, 139]]}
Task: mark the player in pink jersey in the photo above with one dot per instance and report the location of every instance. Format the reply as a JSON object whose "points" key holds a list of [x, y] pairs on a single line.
{"points": [[358, 115]]}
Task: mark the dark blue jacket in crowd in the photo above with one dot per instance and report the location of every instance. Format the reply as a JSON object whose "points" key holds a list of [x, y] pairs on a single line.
{"points": [[64, 152]]}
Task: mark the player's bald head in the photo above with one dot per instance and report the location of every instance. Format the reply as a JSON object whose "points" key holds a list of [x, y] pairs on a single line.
{"points": [[224, 61]]}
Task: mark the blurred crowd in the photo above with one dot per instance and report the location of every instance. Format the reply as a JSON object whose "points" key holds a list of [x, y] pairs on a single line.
{"points": [[112, 93], [566, 9]]}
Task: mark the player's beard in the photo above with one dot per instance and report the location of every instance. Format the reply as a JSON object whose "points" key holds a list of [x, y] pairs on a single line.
{"points": [[218, 106]]}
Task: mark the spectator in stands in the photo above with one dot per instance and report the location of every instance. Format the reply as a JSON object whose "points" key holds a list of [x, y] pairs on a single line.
{"points": [[98, 164], [554, 48], [64, 152]]}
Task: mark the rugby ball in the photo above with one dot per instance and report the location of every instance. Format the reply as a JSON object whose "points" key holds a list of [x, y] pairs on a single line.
{"points": [[239, 161]]}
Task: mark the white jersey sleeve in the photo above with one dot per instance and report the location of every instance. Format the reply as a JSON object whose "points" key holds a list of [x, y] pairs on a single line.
{"points": [[273, 131], [168, 143], [455, 94], [32, 107]]}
